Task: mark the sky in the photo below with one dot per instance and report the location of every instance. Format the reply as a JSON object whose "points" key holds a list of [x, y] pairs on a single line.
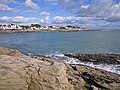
{"points": [[83, 13]]}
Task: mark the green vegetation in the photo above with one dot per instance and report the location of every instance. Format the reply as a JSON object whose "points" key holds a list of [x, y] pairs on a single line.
{"points": [[35, 25]]}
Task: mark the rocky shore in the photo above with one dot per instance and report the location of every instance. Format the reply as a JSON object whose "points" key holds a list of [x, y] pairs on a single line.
{"points": [[23, 72], [97, 58]]}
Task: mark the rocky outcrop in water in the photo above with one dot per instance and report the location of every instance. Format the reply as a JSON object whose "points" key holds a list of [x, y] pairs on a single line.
{"points": [[21, 72], [97, 58]]}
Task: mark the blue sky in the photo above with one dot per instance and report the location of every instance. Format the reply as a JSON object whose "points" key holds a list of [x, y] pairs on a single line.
{"points": [[83, 13]]}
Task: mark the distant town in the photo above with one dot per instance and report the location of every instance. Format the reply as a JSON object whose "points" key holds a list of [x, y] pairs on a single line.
{"points": [[37, 28]]}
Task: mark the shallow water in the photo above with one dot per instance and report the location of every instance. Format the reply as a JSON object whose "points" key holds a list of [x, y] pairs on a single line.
{"points": [[48, 43]]}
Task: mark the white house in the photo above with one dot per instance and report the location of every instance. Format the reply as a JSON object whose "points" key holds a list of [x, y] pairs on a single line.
{"points": [[35, 28], [10, 26], [44, 27]]}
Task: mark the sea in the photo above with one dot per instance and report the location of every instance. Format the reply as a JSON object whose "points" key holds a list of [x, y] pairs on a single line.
{"points": [[56, 44]]}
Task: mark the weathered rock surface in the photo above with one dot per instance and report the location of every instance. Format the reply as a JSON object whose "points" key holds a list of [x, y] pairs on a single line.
{"points": [[10, 52], [96, 78], [21, 72], [97, 58]]}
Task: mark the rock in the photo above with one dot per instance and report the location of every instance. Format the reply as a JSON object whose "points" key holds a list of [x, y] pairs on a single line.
{"points": [[94, 88], [91, 81], [21, 72], [11, 52], [73, 77], [25, 73], [98, 78], [97, 58]]}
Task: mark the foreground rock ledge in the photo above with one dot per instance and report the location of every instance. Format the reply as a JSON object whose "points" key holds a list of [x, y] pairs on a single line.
{"points": [[21, 72]]}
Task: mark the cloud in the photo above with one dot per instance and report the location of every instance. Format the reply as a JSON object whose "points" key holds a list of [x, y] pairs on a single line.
{"points": [[72, 20], [113, 18], [82, 21], [85, 6], [8, 1], [115, 15], [31, 4], [44, 13], [53, 2], [106, 9], [50, 0], [4, 7], [45, 20], [18, 19]]}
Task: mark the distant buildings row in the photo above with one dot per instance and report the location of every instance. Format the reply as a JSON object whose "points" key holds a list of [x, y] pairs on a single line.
{"points": [[34, 27], [10, 26], [19, 27]]}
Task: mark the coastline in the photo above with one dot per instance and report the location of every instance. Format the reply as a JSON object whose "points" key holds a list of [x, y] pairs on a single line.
{"points": [[22, 71], [44, 30]]}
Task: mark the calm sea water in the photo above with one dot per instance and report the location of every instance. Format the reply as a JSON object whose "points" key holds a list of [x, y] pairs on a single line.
{"points": [[55, 44], [63, 42]]}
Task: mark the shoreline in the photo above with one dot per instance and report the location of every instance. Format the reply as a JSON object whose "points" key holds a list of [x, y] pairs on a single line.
{"points": [[97, 58], [107, 62], [21, 71], [43, 30]]}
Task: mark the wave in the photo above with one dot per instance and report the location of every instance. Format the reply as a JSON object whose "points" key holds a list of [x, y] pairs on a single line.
{"points": [[109, 68]]}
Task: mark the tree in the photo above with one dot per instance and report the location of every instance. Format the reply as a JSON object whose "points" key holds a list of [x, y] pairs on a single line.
{"points": [[35, 25]]}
